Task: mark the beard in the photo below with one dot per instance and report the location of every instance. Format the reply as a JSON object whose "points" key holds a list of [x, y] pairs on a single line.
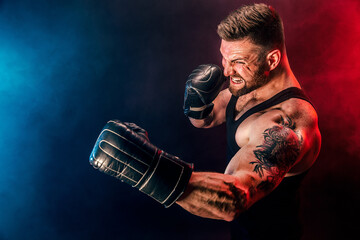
{"points": [[259, 79]]}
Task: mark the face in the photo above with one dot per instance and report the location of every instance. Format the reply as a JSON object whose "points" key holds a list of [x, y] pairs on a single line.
{"points": [[245, 64]]}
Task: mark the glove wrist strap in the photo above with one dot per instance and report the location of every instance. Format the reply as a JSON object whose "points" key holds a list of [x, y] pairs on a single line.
{"points": [[199, 112], [167, 181]]}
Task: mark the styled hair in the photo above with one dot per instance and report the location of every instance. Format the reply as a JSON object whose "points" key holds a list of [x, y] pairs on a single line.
{"points": [[258, 22]]}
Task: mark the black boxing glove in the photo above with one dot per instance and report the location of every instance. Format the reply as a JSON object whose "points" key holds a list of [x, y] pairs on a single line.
{"points": [[123, 151], [202, 87]]}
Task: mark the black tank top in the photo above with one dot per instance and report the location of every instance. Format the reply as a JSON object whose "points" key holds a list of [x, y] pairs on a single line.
{"points": [[276, 215]]}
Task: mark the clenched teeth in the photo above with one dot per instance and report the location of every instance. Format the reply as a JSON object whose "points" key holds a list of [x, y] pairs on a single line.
{"points": [[237, 80]]}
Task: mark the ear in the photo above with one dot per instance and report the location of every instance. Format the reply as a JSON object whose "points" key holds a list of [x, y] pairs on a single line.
{"points": [[273, 59]]}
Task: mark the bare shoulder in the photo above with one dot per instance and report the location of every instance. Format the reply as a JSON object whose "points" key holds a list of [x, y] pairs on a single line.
{"points": [[297, 113], [305, 120], [300, 111], [300, 120]]}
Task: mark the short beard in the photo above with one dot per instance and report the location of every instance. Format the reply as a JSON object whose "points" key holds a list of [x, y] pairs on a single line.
{"points": [[259, 80]]}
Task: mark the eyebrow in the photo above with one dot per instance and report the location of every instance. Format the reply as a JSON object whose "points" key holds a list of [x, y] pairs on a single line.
{"points": [[239, 58]]}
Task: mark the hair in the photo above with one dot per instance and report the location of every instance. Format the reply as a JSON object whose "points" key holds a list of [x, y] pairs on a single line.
{"points": [[258, 22]]}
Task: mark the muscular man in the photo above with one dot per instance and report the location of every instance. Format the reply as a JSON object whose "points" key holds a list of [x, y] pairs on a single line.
{"points": [[272, 132]]}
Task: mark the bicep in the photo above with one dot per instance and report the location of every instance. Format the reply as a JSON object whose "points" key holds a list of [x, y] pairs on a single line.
{"points": [[258, 168], [271, 152]]}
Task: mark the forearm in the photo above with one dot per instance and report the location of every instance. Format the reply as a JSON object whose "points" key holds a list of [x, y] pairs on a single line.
{"points": [[214, 195]]}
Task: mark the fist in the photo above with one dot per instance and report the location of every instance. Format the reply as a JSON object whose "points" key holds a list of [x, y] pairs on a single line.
{"points": [[123, 151], [202, 87]]}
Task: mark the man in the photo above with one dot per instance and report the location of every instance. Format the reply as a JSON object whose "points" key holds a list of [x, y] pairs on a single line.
{"points": [[273, 136], [272, 129]]}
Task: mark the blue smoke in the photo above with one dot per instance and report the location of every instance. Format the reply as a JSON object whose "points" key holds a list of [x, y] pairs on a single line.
{"points": [[44, 73], [66, 67]]}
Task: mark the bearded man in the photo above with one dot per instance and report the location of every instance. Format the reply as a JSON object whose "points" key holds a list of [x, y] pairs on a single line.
{"points": [[272, 133]]}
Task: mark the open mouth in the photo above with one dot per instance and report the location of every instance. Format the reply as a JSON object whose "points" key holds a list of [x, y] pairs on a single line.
{"points": [[236, 80]]}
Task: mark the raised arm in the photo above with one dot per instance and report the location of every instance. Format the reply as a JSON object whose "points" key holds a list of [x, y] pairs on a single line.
{"points": [[203, 104], [217, 115], [275, 145]]}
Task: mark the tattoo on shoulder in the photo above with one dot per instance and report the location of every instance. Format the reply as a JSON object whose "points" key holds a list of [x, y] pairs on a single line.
{"points": [[278, 152]]}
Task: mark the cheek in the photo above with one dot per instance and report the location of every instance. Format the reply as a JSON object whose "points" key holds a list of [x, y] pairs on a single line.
{"points": [[244, 71]]}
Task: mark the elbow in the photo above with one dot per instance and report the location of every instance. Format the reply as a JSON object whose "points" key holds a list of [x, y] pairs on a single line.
{"points": [[232, 215], [197, 123], [237, 204], [200, 123], [206, 122]]}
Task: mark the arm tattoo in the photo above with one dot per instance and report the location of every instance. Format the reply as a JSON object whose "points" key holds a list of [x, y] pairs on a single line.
{"points": [[277, 154], [228, 201]]}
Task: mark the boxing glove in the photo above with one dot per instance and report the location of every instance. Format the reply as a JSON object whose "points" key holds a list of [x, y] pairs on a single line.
{"points": [[202, 87], [123, 151]]}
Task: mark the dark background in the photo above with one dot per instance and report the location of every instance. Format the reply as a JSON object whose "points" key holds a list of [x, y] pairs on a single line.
{"points": [[68, 66]]}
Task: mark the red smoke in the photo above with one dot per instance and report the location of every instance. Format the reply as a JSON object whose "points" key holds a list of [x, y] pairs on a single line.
{"points": [[323, 43], [325, 55]]}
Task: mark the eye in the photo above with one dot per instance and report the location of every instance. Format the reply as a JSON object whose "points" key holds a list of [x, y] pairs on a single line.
{"points": [[239, 62]]}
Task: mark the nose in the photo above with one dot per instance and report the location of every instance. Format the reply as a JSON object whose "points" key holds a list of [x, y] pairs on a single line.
{"points": [[228, 70]]}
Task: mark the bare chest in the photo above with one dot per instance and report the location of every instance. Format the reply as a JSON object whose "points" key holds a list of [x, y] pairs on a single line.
{"points": [[248, 119], [243, 131]]}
